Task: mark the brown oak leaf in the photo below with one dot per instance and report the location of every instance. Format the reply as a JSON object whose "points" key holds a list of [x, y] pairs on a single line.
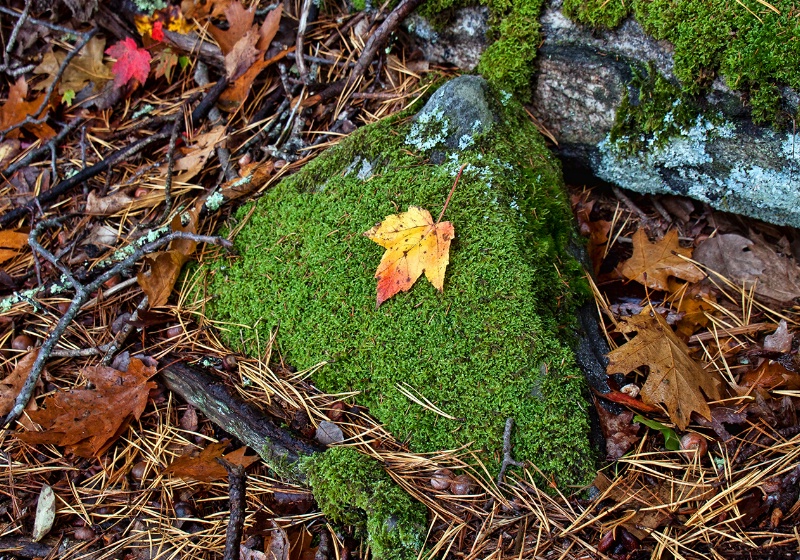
{"points": [[675, 380], [205, 466], [86, 421], [653, 263]]}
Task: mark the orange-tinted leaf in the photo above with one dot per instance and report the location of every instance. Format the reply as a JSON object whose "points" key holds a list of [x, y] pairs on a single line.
{"points": [[769, 375], [205, 466], [165, 267], [694, 301], [12, 384], [10, 244], [675, 380], [653, 263], [16, 109], [240, 22], [132, 62], [414, 244], [86, 421], [202, 146]]}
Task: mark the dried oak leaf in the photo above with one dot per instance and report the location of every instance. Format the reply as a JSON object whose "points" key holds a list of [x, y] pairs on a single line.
{"points": [[132, 62], [414, 243], [769, 375], [86, 68], [11, 242], [675, 380], [780, 341], [192, 163], [205, 466], [12, 384], [653, 263], [751, 263], [16, 109], [107, 205], [87, 421], [165, 267]]}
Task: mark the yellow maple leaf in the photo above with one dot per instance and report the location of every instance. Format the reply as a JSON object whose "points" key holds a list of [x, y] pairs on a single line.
{"points": [[653, 263], [414, 244]]}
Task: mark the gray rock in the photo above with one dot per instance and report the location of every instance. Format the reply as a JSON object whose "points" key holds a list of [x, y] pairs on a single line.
{"points": [[582, 77], [460, 43]]}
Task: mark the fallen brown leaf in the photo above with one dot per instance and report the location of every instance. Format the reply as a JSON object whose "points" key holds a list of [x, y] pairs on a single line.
{"points": [[10, 244], [86, 421], [751, 263], [653, 263], [107, 205], [205, 466], [165, 267], [12, 384], [16, 109], [675, 379]]}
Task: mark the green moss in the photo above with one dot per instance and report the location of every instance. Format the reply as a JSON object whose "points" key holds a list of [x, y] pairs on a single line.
{"points": [[597, 13], [352, 489], [493, 345], [754, 48], [660, 111]]}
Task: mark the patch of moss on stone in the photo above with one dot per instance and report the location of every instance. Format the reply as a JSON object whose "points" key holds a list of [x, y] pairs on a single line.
{"points": [[597, 13], [495, 344], [353, 489], [660, 110], [754, 48], [507, 63]]}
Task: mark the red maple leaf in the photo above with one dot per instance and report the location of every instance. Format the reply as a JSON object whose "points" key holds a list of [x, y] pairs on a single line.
{"points": [[132, 62], [158, 31]]}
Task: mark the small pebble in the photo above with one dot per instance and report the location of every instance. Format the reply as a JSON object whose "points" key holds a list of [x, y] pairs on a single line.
{"points": [[442, 479]]}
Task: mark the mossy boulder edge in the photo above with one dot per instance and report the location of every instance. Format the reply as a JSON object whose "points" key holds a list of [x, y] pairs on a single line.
{"points": [[495, 344]]}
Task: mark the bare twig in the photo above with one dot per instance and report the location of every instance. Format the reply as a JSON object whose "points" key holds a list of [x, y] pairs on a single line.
{"points": [[82, 294], [112, 348], [12, 39], [44, 23], [237, 492], [508, 460], [301, 32]]}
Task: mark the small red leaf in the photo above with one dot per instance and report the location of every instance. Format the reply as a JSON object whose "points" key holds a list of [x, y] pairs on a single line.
{"points": [[132, 62], [158, 31]]}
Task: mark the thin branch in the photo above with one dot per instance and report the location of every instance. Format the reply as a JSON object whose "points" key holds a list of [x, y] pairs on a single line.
{"points": [[508, 460], [44, 23], [82, 294], [112, 348], [237, 492], [12, 39]]}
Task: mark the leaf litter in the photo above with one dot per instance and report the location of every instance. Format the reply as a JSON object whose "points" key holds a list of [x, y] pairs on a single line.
{"points": [[121, 495]]}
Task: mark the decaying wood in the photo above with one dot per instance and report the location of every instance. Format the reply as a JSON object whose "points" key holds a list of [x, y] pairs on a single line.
{"points": [[278, 447]]}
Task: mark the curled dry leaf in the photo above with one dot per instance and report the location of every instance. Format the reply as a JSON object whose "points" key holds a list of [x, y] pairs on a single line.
{"points": [[165, 267], [675, 380], [45, 513], [192, 163], [414, 244], [751, 264], [780, 341], [619, 430], [205, 466], [86, 421], [652, 264], [107, 205]]}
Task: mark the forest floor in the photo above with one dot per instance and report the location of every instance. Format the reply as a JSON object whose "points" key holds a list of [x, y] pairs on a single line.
{"points": [[111, 131]]}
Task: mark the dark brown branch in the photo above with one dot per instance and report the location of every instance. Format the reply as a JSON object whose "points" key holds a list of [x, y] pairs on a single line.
{"points": [[237, 494], [277, 447]]}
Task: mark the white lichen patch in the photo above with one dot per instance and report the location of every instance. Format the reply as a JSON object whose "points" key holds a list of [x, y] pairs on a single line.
{"points": [[760, 179], [215, 201], [428, 130]]}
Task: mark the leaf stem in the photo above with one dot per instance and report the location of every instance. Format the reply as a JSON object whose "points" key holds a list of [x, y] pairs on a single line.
{"points": [[449, 196]]}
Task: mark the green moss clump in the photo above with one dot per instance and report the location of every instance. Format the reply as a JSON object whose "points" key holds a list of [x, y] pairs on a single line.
{"points": [[754, 48], [353, 489], [660, 111], [508, 62], [493, 345], [597, 13]]}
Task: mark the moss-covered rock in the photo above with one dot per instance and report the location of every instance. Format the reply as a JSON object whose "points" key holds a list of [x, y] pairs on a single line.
{"points": [[754, 46], [352, 489], [495, 344]]}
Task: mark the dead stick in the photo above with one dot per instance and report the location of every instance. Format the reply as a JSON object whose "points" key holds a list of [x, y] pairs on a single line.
{"points": [[237, 496], [279, 447]]}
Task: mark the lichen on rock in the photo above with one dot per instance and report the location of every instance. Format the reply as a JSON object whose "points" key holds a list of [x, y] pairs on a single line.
{"points": [[495, 344]]}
